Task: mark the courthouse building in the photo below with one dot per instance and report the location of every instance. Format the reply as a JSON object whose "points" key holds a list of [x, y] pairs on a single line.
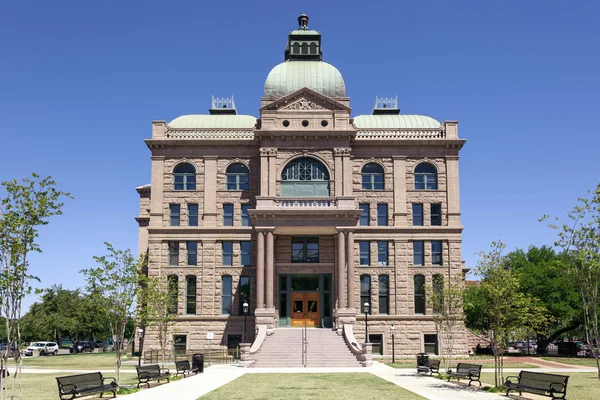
{"points": [[305, 213]]}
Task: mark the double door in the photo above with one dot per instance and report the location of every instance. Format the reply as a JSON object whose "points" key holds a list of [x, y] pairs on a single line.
{"points": [[305, 306]]}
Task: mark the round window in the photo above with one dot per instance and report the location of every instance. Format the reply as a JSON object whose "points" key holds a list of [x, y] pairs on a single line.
{"points": [[324, 123], [286, 123], [305, 123]]}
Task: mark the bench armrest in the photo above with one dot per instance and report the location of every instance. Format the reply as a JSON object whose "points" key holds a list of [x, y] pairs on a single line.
{"points": [[165, 371], [143, 375], [560, 387], [511, 376], [109, 377]]}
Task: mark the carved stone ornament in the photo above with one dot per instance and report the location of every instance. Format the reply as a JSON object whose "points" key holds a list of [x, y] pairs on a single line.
{"points": [[300, 103], [268, 151], [342, 151]]}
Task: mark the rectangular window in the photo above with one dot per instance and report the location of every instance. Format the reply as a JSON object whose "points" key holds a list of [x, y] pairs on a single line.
{"points": [[246, 220], [179, 344], [437, 299], [305, 250], [173, 288], [365, 252], [436, 214], [382, 214], [175, 214], [226, 294], [364, 217], [244, 293], [430, 343], [192, 214], [246, 258], [436, 252], [190, 295], [384, 294], [417, 211], [227, 253], [227, 214], [365, 293], [419, 283], [382, 253], [192, 253], [418, 256], [173, 253]]}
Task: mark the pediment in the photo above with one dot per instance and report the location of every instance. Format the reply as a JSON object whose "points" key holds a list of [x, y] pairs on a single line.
{"points": [[305, 99]]}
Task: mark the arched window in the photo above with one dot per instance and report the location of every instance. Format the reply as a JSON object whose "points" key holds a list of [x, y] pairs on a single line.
{"points": [[372, 177], [419, 282], [304, 48], [425, 177], [296, 48], [305, 177], [184, 177], [237, 177], [313, 48]]}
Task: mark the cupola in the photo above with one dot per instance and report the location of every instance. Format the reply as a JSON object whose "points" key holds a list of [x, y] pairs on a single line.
{"points": [[303, 44]]}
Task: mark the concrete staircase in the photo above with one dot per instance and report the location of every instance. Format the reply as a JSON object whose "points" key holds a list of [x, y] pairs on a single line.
{"points": [[284, 349]]}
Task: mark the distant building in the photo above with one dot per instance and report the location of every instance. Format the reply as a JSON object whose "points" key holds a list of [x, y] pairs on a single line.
{"points": [[305, 213]]}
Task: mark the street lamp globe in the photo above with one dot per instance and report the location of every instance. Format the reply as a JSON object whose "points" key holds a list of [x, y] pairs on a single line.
{"points": [[245, 308], [366, 307]]}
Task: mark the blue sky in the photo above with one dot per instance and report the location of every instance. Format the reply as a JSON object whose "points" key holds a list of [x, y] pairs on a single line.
{"points": [[80, 83]]}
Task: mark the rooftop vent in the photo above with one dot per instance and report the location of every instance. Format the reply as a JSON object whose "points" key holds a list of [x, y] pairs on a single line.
{"points": [[222, 105], [386, 105]]}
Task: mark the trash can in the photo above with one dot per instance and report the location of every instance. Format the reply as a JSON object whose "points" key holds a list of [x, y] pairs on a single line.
{"points": [[422, 360], [198, 362]]}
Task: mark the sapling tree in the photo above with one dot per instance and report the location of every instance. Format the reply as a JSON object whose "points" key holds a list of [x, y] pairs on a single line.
{"points": [[580, 238], [445, 298], [157, 308], [28, 205], [113, 284]]}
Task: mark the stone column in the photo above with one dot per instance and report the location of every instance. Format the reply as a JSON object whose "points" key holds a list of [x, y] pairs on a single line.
{"points": [[338, 173], [350, 270], [341, 264], [260, 270], [452, 191], [269, 274], [347, 172], [210, 191], [156, 199], [264, 172], [273, 172], [400, 212]]}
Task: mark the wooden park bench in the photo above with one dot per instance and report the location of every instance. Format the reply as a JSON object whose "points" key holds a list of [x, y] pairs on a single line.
{"points": [[431, 367], [72, 386], [550, 385], [183, 368], [147, 373], [464, 370]]}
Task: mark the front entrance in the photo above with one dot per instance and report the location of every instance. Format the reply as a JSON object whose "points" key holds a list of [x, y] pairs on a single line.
{"points": [[308, 294], [305, 306]]}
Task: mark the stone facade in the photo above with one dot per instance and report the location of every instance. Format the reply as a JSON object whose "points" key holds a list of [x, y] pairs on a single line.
{"points": [[305, 124]]}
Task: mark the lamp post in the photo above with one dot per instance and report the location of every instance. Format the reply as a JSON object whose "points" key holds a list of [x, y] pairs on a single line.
{"points": [[366, 310], [245, 308], [393, 344], [140, 333]]}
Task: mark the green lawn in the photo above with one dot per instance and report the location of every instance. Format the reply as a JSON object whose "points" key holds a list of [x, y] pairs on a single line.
{"points": [[584, 362], [101, 361], [347, 386], [581, 386], [412, 364], [44, 387]]}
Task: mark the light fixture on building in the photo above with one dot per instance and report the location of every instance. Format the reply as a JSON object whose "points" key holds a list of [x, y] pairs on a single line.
{"points": [[393, 329], [245, 309], [366, 310]]}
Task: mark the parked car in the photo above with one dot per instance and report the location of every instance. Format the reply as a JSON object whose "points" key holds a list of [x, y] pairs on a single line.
{"points": [[83, 347], [44, 348]]}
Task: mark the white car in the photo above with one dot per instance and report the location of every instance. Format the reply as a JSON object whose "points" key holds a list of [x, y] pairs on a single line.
{"points": [[44, 348]]}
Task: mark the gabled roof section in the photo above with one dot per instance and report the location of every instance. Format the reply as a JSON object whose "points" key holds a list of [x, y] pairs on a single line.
{"points": [[305, 99]]}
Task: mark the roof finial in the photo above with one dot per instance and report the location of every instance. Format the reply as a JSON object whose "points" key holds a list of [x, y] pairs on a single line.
{"points": [[303, 22]]}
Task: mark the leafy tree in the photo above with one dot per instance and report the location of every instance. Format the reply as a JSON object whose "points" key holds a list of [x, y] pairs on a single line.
{"points": [[505, 307], [113, 285], [156, 297], [62, 314], [445, 297], [580, 239], [28, 205], [541, 274]]}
